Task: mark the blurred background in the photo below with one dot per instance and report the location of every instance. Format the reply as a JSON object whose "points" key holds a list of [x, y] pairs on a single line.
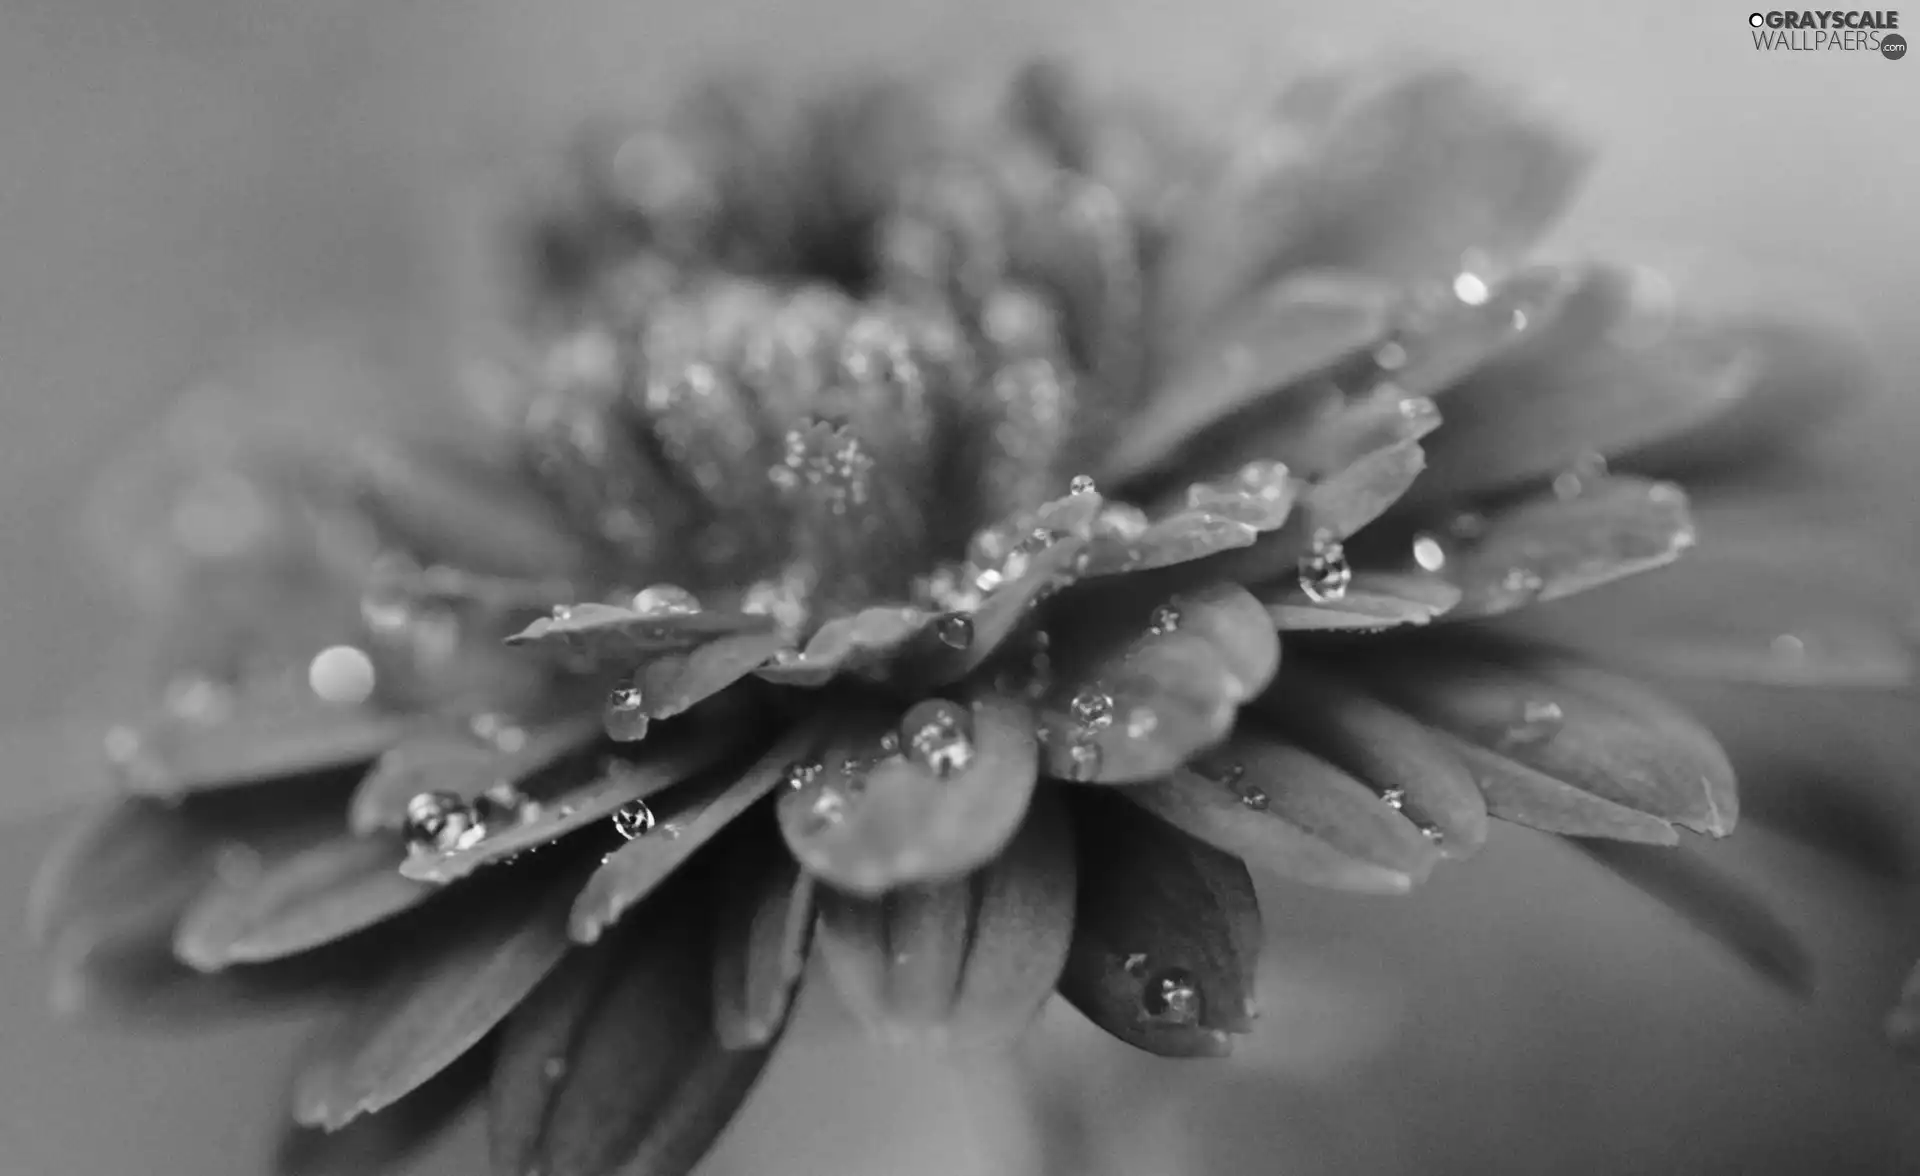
{"points": [[188, 186]]}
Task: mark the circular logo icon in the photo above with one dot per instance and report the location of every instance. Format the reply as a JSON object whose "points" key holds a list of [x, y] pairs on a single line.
{"points": [[1757, 19], [1893, 46]]}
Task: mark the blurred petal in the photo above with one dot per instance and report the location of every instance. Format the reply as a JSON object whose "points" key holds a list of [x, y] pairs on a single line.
{"points": [[313, 897], [464, 765], [614, 631], [1716, 905], [1145, 680], [1517, 793], [846, 644], [1600, 733], [121, 874], [1216, 516], [1166, 936], [672, 682], [1374, 601], [971, 959], [456, 981], [1395, 755], [947, 799], [1284, 810], [611, 1065], [696, 812], [1445, 343], [762, 937]]}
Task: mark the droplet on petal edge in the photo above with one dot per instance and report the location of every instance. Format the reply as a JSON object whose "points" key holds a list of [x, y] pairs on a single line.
{"points": [[633, 819], [1325, 573]]}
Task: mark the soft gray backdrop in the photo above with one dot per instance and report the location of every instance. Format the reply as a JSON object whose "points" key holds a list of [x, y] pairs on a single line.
{"points": [[182, 181]]}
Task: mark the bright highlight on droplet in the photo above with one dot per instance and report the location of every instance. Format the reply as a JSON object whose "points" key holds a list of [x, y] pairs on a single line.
{"points": [[341, 674], [1471, 289], [1428, 553]]}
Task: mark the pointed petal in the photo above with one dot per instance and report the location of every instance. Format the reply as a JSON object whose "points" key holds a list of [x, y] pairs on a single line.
{"points": [[415, 1135], [673, 682], [1281, 809], [1553, 547], [1143, 680], [1383, 748], [1166, 937], [263, 738], [454, 984], [971, 958], [1375, 601], [615, 631], [1302, 325], [949, 800], [582, 799], [847, 644], [1602, 734], [933, 659], [1517, 793], [762, 939], [1216, 516], [1718, 906], [465, 766], [313, 897], [611, 1065], [697, 812], [122, 873]]}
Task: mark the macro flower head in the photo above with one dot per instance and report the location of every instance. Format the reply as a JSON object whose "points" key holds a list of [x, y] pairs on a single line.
{"points": [[958, 550]]}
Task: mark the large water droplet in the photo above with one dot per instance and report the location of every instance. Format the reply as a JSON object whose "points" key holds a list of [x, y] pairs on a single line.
{"points": [[1083, 762], [1172, 996], [1429, 553], [955, 630], [1325, 574], [625, 714], [633, 819], [665, 600], [1164, 620], [1081, 484], [341, 674], [1537, 722], [939, 736], [443, 822], [1092, 708]]}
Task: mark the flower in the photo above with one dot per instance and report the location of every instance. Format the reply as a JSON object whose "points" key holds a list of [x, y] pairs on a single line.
{"points": [[880, 548]]}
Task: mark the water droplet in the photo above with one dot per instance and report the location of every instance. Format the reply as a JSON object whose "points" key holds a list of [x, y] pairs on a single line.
{"points": [[939, 736], [196, 699], [554, 1068], [341, 674], [1092, 708], [1429, 553], [1433, 833], [633, 819], [665, 600], [1578, 478], [1165, 620], [1083, 762], [799, 775], [562, 612], [1537, 722], [1396, 798], [1254, 797], [1419, 408], [1141, 722], [955, 630], [1136, 964], [1521, 584], [1173, 997], [1470, 289], [828, 808], [890, 744], [625, 714], [1390, 356], [442, 822], [1325, 574], [1789, 648], [1081, 484]]}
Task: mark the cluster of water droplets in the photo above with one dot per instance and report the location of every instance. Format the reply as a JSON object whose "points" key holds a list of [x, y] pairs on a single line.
{"points": [[440, 822], [935, 735], [1232, 775], [1324, 573]]}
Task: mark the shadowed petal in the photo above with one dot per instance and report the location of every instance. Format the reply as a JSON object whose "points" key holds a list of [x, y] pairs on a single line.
{"points": [[848, 644], [611, 1066], [261, 738], [672, 682], [447, 991], [615, 631], [313, 897], [1166, 936], [696, 812], [1374, 601], [972, 958], [1282, 809], [1143, 680], [1396, 755], [464, 766], [1718, 906], [946, 797], [762, 938]]}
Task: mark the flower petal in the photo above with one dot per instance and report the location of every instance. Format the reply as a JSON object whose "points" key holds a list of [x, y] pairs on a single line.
{"points": [[1602, 734], [611, 1065], [123, 873], [1447, 342], [1143, 680], [950, 799], [1216, 516], [972, 958], [662, 762], [265, 736], [697, 812], [945, 652], [1302, 325], [1375, 601], [453, 985], [614, 631], [849, 643], [1554, 547], [673, 682], [1396, 755], [1719, 906], [465, 766], [313, 897], [1280, 808], [1517, 793], [762, 939], [1166, 936]]}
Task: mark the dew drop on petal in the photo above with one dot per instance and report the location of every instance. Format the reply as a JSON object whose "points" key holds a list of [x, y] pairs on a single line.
{"points": [[1172, 997], [1165, 620], [1433, 833], [1083, 762], [1141, 722], [1325, 574], [1578, 478], [1254, 797], [1135, 964], [955, 630], [1538, 721], [890, 744], [625, 714], [341, 674], [1092, 708], [665, 600], [1470, 288], [938, 736], [562, 612], [633, 819], [1788, 648], [442, 822], [1081, 484], [554, 1068], [799, 775], [1429, 553], [1396, 798], [1390, 356]]}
